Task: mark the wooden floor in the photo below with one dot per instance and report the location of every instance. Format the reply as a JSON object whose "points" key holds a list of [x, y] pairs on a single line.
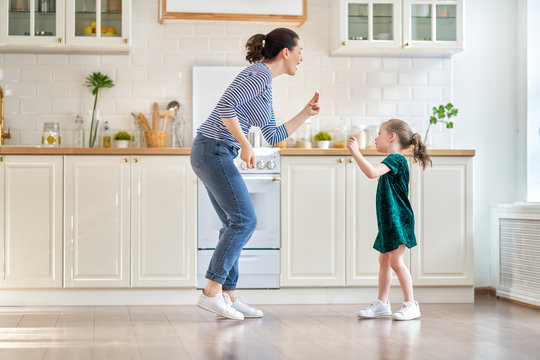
{"points": [[488, 329]]}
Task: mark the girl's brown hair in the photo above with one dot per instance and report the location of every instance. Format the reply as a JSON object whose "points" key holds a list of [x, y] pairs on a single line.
{"points": [[407, 138], [268, 46]]}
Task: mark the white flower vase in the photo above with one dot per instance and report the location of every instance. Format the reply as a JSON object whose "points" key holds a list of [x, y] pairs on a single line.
{"points": [[323, 144], [122, 144]]}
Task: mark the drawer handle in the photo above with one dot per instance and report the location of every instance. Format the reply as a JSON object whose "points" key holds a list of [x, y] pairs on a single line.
{"points": [[125, 160], [341, 160], [351, 160]]}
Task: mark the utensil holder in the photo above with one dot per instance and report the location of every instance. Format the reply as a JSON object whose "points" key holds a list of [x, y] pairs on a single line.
{"points": [[156, 138]]}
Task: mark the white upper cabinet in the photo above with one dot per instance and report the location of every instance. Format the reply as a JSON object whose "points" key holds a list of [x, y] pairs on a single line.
{"points": [[397, 27], [70, 25]]}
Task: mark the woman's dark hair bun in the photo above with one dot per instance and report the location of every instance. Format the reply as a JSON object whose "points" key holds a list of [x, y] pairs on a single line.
{"points": [[268, 46]]}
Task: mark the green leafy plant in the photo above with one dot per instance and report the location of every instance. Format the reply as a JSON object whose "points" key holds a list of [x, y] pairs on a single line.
{"points": [[96, 81], [122, 135], [322, 136], [439, 114]]}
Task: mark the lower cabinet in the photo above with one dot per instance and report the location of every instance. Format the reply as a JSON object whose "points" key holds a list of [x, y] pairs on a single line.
{"points": [[329, 223], [129, 215], [31, 221]]}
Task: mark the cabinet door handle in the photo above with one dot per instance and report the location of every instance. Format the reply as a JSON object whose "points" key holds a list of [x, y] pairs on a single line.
{"points": [[1, 159], [135, 160], [407, 44], [59, 39], [341, 160], [344, 43], [125, 160], [125, 41], [351, 160]]}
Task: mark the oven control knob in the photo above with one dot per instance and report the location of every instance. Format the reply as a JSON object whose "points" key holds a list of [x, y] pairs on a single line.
{"points": [[243, 166], [271, 165], [260, 164]]}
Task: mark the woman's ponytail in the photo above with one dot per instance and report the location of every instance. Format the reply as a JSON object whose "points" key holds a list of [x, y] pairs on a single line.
{"points": [[255, 47], [420, 151], [268, 46]]}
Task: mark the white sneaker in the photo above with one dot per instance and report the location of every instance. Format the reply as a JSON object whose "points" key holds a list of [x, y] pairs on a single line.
{"points": [[376, 309], [220, 306], [408, 311], [249, 312]]}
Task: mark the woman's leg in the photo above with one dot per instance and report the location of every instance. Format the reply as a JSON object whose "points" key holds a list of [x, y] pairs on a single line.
{"points": [[385, 277], [402, 272]]}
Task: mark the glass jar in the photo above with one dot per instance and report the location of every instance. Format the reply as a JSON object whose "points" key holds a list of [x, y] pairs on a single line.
{"points": [[51, 135], [106, 139], [304, 135], [78, 132], [359, 132], [339, 135]]}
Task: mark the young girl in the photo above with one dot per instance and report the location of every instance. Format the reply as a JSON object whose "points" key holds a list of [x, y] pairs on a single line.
{"points": [[247, 102], [395, 217]]}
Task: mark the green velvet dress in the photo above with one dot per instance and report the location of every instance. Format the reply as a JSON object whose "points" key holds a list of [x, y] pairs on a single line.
{"points": [[395, 217]]}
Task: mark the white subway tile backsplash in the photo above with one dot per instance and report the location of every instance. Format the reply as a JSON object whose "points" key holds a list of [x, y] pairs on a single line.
{"points": [[20, 89], [400, 93], [51, 59], [401, 64], [427, 93], [158, 68], [10, 73], [20, 59], [35, 74], [413, 78], [381, 78], [83, 60], [35, 106], [381, 108], [49, 90], [130, 75], [366, 93]]}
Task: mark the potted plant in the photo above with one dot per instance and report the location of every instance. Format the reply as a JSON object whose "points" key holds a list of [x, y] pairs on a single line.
{"points": [[323, 139], [439, 115], [96, 81], [121, 139]]}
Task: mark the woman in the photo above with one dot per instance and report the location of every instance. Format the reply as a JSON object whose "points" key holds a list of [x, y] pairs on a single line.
{"points": [[246, 102]]}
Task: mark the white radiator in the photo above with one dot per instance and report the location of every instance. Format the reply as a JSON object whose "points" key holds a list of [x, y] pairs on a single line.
{"points": [[519, 253]]}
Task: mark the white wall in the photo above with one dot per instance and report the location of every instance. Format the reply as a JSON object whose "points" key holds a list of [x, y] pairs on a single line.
{"points": [[480, 81]]}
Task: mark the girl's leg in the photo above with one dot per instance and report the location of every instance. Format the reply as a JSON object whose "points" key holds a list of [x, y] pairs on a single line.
{"points": [[385, 277], [403, 274]]}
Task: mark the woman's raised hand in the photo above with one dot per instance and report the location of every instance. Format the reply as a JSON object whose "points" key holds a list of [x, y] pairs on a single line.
{"points": [[312, 107]]}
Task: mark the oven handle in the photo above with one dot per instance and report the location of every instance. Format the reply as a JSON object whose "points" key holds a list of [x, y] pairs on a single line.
{"points": [[273, 178]]}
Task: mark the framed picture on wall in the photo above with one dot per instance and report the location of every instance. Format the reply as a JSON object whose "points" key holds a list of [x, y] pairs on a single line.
{"points": [[233, 10]]}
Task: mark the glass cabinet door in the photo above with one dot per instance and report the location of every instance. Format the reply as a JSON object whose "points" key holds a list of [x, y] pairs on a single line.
{"points": [[372, 21], [98, 18], [38, 20], [433, 23]]}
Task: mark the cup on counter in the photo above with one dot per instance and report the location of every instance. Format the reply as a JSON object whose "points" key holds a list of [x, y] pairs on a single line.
{"points": [[51, 135]]}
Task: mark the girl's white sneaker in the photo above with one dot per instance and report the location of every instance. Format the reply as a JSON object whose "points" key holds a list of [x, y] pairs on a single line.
{"points": [[249, 311], [376, 309], [408, 311], [219, 305]]}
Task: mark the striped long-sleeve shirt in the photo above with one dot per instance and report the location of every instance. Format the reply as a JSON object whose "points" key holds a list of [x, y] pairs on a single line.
{"points": [[249, 98]]}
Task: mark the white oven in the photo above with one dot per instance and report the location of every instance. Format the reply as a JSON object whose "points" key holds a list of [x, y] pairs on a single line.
{"points": [[259, 262]]}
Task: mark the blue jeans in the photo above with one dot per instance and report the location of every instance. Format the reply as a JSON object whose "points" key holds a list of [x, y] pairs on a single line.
{"points": [[212, 162]]}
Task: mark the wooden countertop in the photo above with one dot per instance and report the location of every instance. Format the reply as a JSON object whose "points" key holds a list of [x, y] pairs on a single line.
{"points": [[367, 152], [15, 150]]}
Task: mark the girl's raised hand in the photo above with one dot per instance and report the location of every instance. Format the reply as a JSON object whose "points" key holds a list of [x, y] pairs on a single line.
{"points": [[352, 145]]}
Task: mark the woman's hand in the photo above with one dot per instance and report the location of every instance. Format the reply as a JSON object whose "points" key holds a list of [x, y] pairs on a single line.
{"points": [[247, 154], [352, 145], [312, 107]]}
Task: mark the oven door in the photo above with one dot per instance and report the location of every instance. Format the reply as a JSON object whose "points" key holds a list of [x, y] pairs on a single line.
{"points": [[264, 190]]}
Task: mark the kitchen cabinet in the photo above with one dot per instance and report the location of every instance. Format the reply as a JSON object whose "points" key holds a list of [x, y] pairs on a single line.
{"points": [[441, 197], [58, 25], [31, 221], [313, 221], [129, 214], [163, 228], [329, 223], [397, 27]]}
